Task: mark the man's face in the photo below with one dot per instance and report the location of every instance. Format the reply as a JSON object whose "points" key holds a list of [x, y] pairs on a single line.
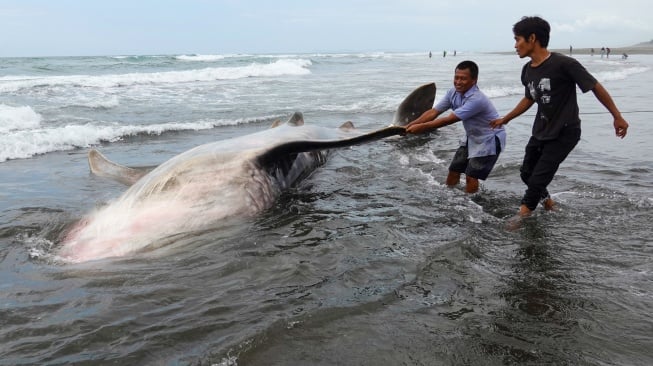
{"points": [[462, 80], [524, 46]]}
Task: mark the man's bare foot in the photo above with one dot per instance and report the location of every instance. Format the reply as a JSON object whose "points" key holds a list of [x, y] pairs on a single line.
{"points": [[515, 222], [549, 204], [452, 179]]}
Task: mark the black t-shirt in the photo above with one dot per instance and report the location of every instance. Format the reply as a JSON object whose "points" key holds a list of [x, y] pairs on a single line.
{"points": [[552, 85]]}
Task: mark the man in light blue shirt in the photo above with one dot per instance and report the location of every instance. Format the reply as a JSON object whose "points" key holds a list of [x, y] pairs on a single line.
{"points": [[480, 147]]}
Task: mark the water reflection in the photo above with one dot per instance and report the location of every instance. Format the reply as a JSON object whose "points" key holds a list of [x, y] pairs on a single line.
{"points": [[536, 324]]}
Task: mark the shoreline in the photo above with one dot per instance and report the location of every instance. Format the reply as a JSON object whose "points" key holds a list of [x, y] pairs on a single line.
{"points": [[614, 51]]}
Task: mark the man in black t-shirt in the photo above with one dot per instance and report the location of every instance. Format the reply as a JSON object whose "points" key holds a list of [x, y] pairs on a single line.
{"points": [[550, 80]]}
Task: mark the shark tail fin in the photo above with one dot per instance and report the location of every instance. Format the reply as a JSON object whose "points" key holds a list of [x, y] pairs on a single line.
{"points": [[416, 103]]}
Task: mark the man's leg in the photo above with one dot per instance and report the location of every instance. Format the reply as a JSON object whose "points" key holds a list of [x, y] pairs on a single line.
{"points": [[549, 204], [457, 166], [532, 154], [453, 179], [552, 154], [479, 168], [471, 184]]}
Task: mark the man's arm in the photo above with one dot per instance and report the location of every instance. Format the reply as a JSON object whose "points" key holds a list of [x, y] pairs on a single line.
{"points": [[521, 107], [432, 125], [429, 115], [620, 124]]}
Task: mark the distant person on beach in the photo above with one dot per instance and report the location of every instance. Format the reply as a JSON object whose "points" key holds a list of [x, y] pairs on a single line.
{"points": [[480, 147], [570, 50], [607, 52], [550, 80], [444, 53], [602, 51], [592, 52], [430, 54], [624, 56]]}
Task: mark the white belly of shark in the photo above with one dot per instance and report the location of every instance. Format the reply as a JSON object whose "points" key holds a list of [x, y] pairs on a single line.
{"points": [[204, 186]]}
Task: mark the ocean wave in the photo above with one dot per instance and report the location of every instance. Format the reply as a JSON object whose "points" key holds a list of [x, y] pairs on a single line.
{"points": [[28, 142], [503, 91], [137, 57], [106, 103], [18, 118], [380, 104], [277, 68], [622, 74], [202, 58], [89, 101]]}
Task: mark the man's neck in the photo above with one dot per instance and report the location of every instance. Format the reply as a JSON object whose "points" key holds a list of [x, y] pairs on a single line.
{"points": [[539, 55]]}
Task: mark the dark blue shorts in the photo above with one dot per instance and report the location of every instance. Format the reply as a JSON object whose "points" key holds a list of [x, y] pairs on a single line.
{"points": [[479, 167]]}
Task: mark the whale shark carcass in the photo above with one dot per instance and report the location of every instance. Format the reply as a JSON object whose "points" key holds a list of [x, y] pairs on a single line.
{"points": [[199, 188]]}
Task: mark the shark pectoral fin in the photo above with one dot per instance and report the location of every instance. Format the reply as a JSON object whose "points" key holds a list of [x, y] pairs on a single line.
{"points": [[372, 136], [103, 167], [357, 140], [294, 147]]}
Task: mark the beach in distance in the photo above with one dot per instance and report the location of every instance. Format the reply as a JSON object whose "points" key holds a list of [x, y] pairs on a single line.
{"points": [[644, 48], [370, 260]]}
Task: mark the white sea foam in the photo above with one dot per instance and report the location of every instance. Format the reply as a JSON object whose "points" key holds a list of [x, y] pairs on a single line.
{"points": [[202, 58], [17, 118], [37, 105], [619, 74], [277, 68], [381, 104], [502, 91], [27, 142], [96, 103]]}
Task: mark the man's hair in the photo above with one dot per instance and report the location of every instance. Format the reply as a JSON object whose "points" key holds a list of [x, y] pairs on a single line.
{"points": [[533, 25], [471, 66]]}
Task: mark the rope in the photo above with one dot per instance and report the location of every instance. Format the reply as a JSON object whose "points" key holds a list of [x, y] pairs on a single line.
{"points": [[622, 112], [587, 113]]}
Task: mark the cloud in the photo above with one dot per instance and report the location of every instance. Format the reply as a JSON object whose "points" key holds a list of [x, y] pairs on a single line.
{"points": [[231, 26], [603, 22]]}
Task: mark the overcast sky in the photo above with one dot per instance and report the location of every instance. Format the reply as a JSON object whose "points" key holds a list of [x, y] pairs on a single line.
{"points": [[120, 27]]}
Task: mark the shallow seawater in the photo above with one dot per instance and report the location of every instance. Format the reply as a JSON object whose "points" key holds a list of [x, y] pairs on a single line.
{"points": [[369, 261]]}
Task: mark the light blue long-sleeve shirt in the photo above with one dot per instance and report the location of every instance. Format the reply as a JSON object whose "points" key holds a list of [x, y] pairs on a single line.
{"points": [[476, 111]]}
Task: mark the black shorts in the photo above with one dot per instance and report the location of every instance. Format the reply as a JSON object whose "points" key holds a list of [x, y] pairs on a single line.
{"points": [[479, 167]]}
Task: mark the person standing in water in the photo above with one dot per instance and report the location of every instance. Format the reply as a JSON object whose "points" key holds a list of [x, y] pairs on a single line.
{"points": [[480, 147], [550, 81]]}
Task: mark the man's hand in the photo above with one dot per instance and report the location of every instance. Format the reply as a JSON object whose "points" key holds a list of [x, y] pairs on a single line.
{"points": [[418, 128], [620, 127], [498, 122]]}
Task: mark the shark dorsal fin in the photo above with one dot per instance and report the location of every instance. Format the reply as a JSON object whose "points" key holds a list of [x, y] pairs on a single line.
{"points": [[347, 126], [103, 167], [297, 119]]}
